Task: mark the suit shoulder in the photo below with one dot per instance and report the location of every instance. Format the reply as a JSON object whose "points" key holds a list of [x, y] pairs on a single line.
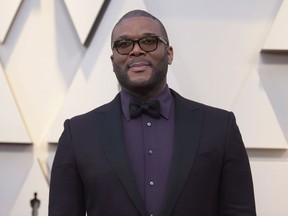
{"points": [[211, 113], [198, 105], [212, 109], [89, 115]]}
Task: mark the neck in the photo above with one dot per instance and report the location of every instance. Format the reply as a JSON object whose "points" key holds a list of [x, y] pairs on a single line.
{"points": [[145, 95]]}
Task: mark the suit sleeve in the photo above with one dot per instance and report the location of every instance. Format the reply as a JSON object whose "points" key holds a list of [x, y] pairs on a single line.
{"points": [[236, 187], [66, 195]]}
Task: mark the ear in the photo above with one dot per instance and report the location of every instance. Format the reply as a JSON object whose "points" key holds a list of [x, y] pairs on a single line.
{"points": [[112, 59], [170, 54]]}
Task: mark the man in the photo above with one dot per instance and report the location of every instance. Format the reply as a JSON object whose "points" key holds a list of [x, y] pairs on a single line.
{"points": [[150, 151]]}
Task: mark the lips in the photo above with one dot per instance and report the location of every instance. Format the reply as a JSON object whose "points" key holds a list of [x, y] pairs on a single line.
{"points": [[138, 64]]}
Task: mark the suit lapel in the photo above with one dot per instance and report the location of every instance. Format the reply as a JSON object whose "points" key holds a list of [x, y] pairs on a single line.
{"points": [[111, 137], [188, 125]]}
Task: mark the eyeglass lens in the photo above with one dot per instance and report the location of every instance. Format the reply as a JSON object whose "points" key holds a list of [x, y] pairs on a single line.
{"points": [[147, 44]]}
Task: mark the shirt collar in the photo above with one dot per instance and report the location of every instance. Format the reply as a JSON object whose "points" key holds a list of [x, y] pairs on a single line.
{"points": [[165, 98]]}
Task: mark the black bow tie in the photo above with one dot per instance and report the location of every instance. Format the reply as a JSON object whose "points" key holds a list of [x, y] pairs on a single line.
{"points": [[136, 108]]}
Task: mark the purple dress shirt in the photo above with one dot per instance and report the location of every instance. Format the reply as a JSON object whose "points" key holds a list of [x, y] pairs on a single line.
{"points": [[149, 143]]}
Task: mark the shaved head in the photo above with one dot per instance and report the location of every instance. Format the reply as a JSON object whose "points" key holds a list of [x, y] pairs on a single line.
{"points": [[141, 13]]}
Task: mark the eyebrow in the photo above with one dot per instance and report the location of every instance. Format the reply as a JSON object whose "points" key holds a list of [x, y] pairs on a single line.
{"points": [[128, 37]]}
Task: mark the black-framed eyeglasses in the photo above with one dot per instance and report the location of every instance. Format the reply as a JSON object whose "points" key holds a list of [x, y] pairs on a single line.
{"points": [[147, 44]]}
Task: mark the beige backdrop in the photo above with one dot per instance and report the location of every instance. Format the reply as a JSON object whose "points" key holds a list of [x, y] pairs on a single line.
{"points": [[229, 54]]}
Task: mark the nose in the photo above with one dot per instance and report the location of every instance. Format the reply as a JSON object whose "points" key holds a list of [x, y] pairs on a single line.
{"points": [[137, 51]]}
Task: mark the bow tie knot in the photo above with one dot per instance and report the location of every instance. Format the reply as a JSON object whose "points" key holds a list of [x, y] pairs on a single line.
{"points": [[136, 108]]}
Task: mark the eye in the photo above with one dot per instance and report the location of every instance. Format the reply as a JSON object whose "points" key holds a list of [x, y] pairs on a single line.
{"points": [[148, 41], [123, 43]]}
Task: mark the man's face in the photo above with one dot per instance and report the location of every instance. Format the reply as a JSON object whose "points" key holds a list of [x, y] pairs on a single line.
{"points": [[141, 71]]}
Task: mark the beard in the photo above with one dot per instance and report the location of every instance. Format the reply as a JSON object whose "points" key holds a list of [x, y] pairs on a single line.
{"points": [[157, 79]]}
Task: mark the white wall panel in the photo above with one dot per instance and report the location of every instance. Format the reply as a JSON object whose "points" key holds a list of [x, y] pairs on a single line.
{"points": [[8, 10], [40, 185], [83, 14], [40, 59], [271, 187], [12, 128], [263, 129], [15, 164], [277, 40]]}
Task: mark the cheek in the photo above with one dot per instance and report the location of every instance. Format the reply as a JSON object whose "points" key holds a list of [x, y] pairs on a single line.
{"points": [[119, 61]]}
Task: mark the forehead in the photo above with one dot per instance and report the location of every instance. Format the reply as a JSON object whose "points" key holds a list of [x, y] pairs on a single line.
{"points": [[135, 27]]}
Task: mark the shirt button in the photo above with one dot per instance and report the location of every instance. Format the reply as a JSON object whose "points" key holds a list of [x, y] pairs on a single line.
{"points": [[149, 124], [151, 215], [151, 183], [150, 152]]}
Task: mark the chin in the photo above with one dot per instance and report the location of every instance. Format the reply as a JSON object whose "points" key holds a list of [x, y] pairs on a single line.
{"points": [[139, 81]]}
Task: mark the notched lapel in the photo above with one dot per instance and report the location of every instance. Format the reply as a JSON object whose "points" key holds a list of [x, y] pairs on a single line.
{"points": [[111, 137], [188, 126]]}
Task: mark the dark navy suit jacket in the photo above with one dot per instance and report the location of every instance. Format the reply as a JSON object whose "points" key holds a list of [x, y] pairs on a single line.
{"points": [[210, 173]]}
